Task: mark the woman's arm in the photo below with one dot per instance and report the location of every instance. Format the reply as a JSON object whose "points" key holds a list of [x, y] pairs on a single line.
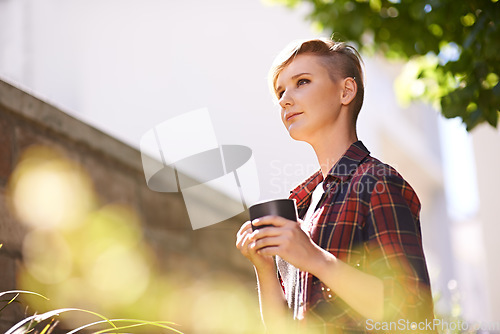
{"points": [[272, 301], [363, 292], [273, 307]]}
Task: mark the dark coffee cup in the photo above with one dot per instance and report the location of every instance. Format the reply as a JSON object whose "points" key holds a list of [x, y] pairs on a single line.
{"points": [[285, 208]]}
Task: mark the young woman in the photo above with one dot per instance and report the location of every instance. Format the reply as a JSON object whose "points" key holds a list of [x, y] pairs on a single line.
{"points": [[354, 262]]}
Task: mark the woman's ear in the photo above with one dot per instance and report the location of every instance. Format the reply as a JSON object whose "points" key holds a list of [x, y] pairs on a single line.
{"points": [[350, 89]]}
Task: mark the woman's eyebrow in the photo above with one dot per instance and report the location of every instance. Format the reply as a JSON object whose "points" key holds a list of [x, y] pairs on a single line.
{"points": [[298, 75], [293, 78]]}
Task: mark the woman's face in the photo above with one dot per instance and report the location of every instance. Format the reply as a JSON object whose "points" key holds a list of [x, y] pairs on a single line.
{"points": [[310, 101]]}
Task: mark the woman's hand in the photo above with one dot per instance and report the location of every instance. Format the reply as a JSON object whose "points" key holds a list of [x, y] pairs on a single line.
{"points": [[286, 239], [243, 243]]}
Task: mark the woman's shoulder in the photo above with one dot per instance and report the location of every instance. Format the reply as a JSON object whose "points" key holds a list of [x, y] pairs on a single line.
{"points": [[377, 177], [373, 174], [377, 170]]}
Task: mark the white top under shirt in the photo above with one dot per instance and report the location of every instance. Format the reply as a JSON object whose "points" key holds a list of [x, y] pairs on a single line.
{"points": [[315, 198]]}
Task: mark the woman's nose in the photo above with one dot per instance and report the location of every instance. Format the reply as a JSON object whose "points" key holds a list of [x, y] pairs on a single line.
{"points": [[285, 99]]}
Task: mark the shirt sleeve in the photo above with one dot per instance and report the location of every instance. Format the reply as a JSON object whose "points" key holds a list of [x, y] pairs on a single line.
{"points": [[395, 252]]}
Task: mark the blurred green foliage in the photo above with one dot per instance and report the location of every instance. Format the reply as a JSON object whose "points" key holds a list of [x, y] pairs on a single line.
{"points": [[453, 45]]}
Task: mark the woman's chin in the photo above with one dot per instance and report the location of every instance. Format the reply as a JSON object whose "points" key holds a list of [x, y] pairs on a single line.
{"points": [[296, 133]]}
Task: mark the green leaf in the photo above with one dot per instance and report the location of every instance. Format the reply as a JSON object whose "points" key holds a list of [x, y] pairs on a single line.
{"points": [[491, 116], [474, 119]]}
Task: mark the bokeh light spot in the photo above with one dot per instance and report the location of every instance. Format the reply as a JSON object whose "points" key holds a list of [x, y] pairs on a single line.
{"points": [[49, 191], [47, 256]]}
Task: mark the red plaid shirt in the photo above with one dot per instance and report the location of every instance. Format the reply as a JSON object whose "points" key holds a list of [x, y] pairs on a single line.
{"points": [[368, 218]]}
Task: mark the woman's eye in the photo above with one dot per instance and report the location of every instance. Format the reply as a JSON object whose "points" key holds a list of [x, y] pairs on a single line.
{"points": [[280, 94], [302, 82]]}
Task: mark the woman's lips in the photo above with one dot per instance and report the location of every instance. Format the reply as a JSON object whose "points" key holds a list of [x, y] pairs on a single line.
{"points": [[292, 115]]}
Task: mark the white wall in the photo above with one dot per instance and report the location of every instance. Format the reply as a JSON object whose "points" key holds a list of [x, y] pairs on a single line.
{"points": [[486, 141]]}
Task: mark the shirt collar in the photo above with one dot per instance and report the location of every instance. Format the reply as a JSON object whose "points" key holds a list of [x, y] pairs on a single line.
{"points": [[348, 163]]}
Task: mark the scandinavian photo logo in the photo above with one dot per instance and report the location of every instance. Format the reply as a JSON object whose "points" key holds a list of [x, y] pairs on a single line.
{"points": [[182, 154]]}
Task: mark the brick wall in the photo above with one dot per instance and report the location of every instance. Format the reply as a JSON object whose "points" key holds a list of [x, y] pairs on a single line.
{"points": [[116, 172]]}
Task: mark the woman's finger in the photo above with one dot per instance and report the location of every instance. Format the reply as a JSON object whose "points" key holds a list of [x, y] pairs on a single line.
{"points": [[267, 232], [242, 235], [246, 226], [275, 241], [272, 251], [276, 221]]}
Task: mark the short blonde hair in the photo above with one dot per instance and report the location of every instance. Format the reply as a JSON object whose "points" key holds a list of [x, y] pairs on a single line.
{"points": [[341, 61]]}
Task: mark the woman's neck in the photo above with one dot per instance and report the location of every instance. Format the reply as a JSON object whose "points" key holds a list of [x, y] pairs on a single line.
{"points": [[331, 149]]}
